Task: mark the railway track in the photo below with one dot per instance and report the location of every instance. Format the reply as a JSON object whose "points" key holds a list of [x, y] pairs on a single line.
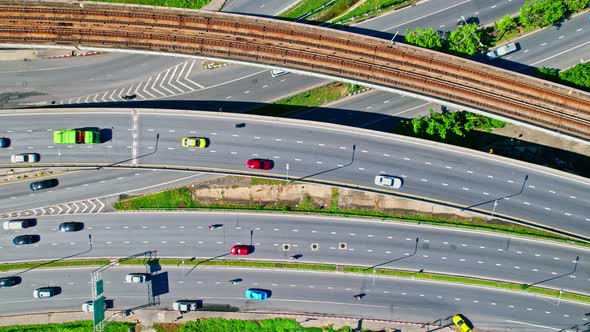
{"points": [[299, 46]]}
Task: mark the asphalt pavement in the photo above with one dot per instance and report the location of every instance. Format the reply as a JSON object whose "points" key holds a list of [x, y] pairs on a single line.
{"points": [[319, 240], [310, 292], [313, 152], [92, 185]]}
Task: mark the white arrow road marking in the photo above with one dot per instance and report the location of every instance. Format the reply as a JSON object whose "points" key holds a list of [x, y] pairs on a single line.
{"points": [[146, 87], [85, 207], [93, 206], [60, 209], [173, 75], [102, 207], [51, 210], [69, 208], [164, 81], [153, 84], [77, 207], [188, 79], [180, 77], [136, 91]]}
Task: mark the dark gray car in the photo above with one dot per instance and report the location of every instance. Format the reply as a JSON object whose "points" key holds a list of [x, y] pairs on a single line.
{"points": [[71, 226], [26, 239], [10, 281], [44, 184], [4, 142]]}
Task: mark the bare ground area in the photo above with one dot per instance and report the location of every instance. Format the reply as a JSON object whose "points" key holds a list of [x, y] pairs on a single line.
{"points": [[239, 191]]}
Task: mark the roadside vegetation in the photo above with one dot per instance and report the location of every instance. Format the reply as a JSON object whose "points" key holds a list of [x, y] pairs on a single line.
{"points": [[371, 8], [79, 326], [449, 127], [577, 76], [310, 98], [234, 325], [190, 4], [305, 205]]}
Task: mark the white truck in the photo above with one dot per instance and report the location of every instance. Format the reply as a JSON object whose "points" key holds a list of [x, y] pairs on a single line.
{"points": [[502, 50], [187, 305]]}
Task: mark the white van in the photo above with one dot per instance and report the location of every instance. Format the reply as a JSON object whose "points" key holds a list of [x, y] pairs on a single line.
{"points": [[503, 50], [16, 224]]}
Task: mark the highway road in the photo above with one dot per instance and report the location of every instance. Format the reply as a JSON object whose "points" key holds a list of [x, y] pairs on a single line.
{"points": [[367, 243], [90, 185], [314, 152], [386, 298]]}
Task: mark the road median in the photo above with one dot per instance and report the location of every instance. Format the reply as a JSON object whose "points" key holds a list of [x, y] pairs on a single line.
{"points": [[528, 289]]}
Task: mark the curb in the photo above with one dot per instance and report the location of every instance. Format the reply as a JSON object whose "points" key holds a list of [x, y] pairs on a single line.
{"points": [[73, 54]]}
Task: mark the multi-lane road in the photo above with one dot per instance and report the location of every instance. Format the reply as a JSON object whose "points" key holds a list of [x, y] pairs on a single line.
{"points": [[309, 292], [314, 152], [366, 243]]}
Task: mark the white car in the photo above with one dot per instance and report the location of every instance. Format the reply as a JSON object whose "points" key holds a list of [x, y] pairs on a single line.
{"points": [[89, 307], [136, 278], [25, 158], [388, 181], [503, 50], [44, 292]]}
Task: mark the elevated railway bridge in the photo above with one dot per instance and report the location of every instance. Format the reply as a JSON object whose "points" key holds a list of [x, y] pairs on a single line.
{"points": [[300, 48]]}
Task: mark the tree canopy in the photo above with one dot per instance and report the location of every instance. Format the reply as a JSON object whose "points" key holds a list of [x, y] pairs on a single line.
{"points": [[427, 38], [465, 40], [541, 13]]}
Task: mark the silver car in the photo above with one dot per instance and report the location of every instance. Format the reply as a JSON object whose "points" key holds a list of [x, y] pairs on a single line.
{"points": [[25, 158], [388, 181]]}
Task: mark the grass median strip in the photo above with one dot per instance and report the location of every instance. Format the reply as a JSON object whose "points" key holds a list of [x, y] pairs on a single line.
{"points": [[181, 199], [402, 274]]}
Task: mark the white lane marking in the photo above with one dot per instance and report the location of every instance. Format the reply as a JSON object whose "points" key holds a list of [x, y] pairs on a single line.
{"points": [[424, 16], [560, 53], [534, 325]]}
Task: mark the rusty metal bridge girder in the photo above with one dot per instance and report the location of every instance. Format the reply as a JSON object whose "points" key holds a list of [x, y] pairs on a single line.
{"points": [[302, 47]]}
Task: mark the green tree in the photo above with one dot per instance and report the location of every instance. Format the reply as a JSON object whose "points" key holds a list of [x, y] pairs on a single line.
{"points": [[505, 24], [541, 13], [576, 5], [427, 38], [578, 75], [464, 40]]}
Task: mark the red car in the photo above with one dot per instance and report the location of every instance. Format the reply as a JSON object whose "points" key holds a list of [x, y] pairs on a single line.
{"points": [[259, 164], [242, 250]]}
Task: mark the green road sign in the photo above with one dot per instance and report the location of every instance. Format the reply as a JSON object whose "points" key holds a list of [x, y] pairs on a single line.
{"points": [[99, 288], [98, 310]]}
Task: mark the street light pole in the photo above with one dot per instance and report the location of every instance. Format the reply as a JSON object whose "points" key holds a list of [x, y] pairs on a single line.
{"points": [[287, 166], [494, 209], [474, 35]]}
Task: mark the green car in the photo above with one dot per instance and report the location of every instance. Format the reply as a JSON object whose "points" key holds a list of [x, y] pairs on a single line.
{"points": [[195, 142]]}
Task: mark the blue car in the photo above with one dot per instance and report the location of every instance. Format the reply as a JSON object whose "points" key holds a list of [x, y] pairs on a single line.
{"points": [[257, 294]]}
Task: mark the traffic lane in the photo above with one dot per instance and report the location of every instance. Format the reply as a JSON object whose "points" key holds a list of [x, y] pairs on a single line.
{"points": [[34, 133], [257, 7], [441, 15], [411, 300], [257, 90], [368, 244], [392, 154], [105, 71], [554, 46], [89, 184]]}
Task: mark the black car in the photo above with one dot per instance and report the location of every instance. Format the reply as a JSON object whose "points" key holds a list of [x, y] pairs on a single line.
{"points": [[4, 142], [26, 239], [44, 184], [10, 281], [71, 226]]}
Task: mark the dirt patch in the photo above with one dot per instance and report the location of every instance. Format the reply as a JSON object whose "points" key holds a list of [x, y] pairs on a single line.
{"points": [[18, 174], [234, 190]]}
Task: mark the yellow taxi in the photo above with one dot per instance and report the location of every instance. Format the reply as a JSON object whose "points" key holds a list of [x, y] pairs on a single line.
{"points": [[195, 142], [462, 323]]}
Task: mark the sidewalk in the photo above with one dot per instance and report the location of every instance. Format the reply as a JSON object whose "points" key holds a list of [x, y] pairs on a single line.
{"points": [[147, 317]]}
